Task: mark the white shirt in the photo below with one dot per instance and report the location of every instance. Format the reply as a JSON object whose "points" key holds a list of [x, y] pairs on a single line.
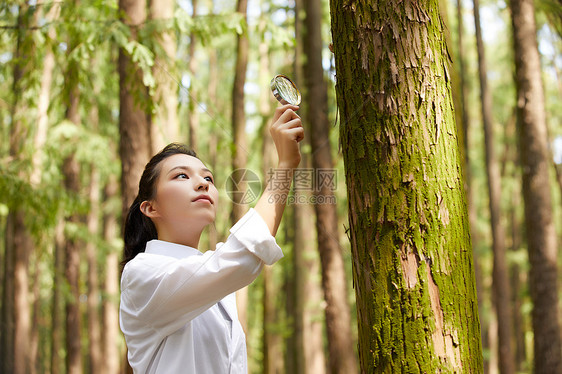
{"points": [[178, 310]]}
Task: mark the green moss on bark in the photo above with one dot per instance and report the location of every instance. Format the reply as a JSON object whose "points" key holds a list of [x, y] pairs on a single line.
{"points": [[413, 274]]}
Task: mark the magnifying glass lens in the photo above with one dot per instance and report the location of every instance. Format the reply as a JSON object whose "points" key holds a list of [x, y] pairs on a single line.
{"points": [[284, 90]]}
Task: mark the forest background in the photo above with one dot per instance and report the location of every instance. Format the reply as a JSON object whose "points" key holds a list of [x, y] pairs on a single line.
{"points": [[70, 91]]}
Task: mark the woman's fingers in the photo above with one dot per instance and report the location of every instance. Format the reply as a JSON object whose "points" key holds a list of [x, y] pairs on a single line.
{"points": [[296, 133], [285, 110]]}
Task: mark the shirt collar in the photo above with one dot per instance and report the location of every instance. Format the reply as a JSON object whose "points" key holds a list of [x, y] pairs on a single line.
{"points": [[163, 248]]}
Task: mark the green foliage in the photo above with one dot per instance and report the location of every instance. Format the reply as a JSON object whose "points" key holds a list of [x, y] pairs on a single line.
{"points": [[40, 204]]}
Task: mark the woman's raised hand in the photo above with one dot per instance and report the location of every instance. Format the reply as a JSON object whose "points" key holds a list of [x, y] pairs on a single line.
{"points": [[287, 131]]}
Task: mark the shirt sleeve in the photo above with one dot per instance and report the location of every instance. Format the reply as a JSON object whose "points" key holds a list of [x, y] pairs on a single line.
{"points": [[165, 292]]}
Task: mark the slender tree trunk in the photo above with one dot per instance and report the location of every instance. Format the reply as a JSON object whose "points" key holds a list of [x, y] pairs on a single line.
{"points": [[16, 329], [272, 340], [193, 115], [7, 330], [134, 121], [295, 282], [165, 125], [40, 135], [239, 150], [71, 172], [539, 225], [516, 283], [342, 358], [57, 328], [110, 303], [412, 258], [465, 124], [214, 136], [93, 307], [35, 363], [501, 288]]}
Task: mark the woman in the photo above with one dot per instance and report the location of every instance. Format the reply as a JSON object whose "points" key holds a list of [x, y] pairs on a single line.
{"points": [[178, 311]]}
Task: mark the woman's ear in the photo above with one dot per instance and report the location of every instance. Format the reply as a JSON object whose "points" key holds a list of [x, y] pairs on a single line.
{"points": [[147, 208]]}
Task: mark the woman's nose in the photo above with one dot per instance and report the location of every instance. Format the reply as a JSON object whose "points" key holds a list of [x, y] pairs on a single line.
{"points": [[202, 184]]}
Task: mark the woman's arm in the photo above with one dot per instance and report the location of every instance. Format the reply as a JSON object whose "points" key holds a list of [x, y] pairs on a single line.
{"points": [[286, 131]]}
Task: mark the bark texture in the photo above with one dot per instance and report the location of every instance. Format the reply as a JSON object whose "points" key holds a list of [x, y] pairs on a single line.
{"points": [[500, 274], [16, 311], [192, 109], [535, 163], [165, 125], [95, 358], [342, 358], [134, 121], [412, 256], [239, 151], [110, 301]]}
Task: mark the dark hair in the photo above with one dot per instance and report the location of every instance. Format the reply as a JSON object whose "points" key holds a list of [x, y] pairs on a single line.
{"points": [[139, 229]]}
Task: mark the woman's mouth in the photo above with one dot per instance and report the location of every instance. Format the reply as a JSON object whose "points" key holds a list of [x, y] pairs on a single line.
{"points": [[204, 199]]}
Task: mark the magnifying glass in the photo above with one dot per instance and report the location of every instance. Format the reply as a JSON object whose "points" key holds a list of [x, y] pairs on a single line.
{"points": [[284, 90]]}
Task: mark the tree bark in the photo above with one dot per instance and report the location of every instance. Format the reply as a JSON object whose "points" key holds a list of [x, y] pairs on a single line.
{"points": [[465, 124], [239, 151], [165, 125], [412, 256], [57, 364], [110, 301], [95, 359], [134, 121], [71, 170], [214, 138], [272, 339], [500, 275], [16, 311], [342, 358], [71, 173], [193, 115], [295, 280], [539, 225]]}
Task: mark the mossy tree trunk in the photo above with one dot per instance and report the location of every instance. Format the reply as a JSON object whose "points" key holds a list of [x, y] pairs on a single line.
{"points": [[412, 256]]}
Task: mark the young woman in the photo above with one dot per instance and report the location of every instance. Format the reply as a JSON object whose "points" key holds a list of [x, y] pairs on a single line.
{"points": [[178, 311]]}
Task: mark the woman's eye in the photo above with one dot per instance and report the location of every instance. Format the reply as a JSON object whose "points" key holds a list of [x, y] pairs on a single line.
{"points": [[210, 179], [182, 176]]}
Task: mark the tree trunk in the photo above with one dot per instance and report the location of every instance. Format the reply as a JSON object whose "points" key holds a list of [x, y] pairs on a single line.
{"points": [[134, 121], [93, 306], [16, 315], [342, 358], [412, 257], [57, 328], [272, 339], [40, 135], [239, 150], [165, 126], [500, 276], [214, 139], [193, 114], [539, 225], [71, 172], [295, 280], [110, 303], [465, 124]]}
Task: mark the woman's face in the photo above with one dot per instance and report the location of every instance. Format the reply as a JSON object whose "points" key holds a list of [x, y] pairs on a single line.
{"points": [[186, 195]]}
